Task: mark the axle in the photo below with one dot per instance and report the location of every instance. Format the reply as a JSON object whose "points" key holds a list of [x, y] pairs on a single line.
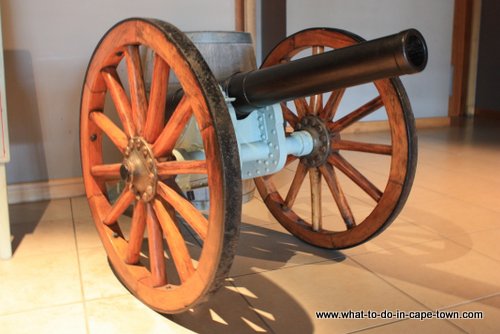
{"points": [[390, 56]]}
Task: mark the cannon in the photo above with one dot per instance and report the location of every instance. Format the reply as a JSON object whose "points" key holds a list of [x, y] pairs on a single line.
{"points": [[175, 128]]}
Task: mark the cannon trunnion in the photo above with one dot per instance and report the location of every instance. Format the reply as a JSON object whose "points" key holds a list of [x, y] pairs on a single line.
{"points": [[276, 125]]}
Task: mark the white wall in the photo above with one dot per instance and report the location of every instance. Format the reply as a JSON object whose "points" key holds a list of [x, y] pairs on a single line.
{"points": [[47, 45], [428, 91]]}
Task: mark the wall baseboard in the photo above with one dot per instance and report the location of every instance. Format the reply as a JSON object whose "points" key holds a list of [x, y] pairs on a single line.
{"points": [[64, 188], [45, 190], [421, 123]]}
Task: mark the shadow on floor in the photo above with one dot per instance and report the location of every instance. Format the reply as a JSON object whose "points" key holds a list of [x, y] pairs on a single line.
{"points": [[24, 219]]}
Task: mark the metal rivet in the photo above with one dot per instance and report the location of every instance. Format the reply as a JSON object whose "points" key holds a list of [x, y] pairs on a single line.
{"points": [[93, 137], [119, 53], [115, 235]]}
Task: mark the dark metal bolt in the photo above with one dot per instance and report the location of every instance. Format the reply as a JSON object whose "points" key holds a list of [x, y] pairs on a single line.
{"points": [[124, 172], [93, 137]]}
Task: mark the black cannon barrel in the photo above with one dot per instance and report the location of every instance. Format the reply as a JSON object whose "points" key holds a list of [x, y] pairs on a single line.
{"points": [[390, 56]]}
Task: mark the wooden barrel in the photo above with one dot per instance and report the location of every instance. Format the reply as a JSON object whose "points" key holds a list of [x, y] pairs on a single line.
{"points": [[226, 53]]}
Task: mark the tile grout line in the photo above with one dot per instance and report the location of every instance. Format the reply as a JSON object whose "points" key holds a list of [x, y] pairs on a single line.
{"points": [[285, 267], [85, 314], [469, 301], [403, 292], [252, 308]]}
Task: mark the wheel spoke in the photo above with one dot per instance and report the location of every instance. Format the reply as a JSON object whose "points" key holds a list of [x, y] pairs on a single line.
{"points": [[122, 203], [332, 105], [120, 99], [348, 145], [357, 114], [301, 106], [175, 125], [190, 214], [350, 171], [137, 89], [155, 242], [136, 233], [316, 214], [176, 243], [114, 133], [181, 167], [157, 100], [288, 115], [332, 182], [316, 102], [106, 172], [298, 179]]}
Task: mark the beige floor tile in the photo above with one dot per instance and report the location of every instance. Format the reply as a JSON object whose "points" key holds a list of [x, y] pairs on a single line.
{"points": [[270, 247], [437, 273], [86, 234], [98, 279], [43, 280], [226, 312], [484, 242], [255, 212], [288, 298], [432, 326], [43, 237], [125, 314], [33, 212], [80, 207], [482, 193], [447, 216], [54, 320], [490, 323], [399, 234]]}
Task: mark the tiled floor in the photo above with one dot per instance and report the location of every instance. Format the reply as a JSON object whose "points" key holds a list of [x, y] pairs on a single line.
{"points": [[441, 253]]}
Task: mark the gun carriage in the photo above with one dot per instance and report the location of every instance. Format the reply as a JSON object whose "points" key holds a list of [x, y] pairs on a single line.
{"points": [[176, 128]]}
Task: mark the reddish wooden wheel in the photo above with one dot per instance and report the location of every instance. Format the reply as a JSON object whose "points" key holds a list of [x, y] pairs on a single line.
{"points": [[169, 254], [367, 199]]}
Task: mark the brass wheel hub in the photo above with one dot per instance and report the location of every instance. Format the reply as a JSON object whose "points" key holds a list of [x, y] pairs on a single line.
{"points": [[138, 169], [321, 137]]}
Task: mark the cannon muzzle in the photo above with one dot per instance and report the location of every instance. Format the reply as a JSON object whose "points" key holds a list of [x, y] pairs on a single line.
{"points": [[390, 56]]}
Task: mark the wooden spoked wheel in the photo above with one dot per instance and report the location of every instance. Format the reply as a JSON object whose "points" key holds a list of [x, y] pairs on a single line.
{"points": [[330, 220], [168, 254]]}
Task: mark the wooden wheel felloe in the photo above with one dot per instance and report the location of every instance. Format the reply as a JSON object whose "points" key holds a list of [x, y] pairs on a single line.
{"points": [[168, 254], [336, 165]]}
